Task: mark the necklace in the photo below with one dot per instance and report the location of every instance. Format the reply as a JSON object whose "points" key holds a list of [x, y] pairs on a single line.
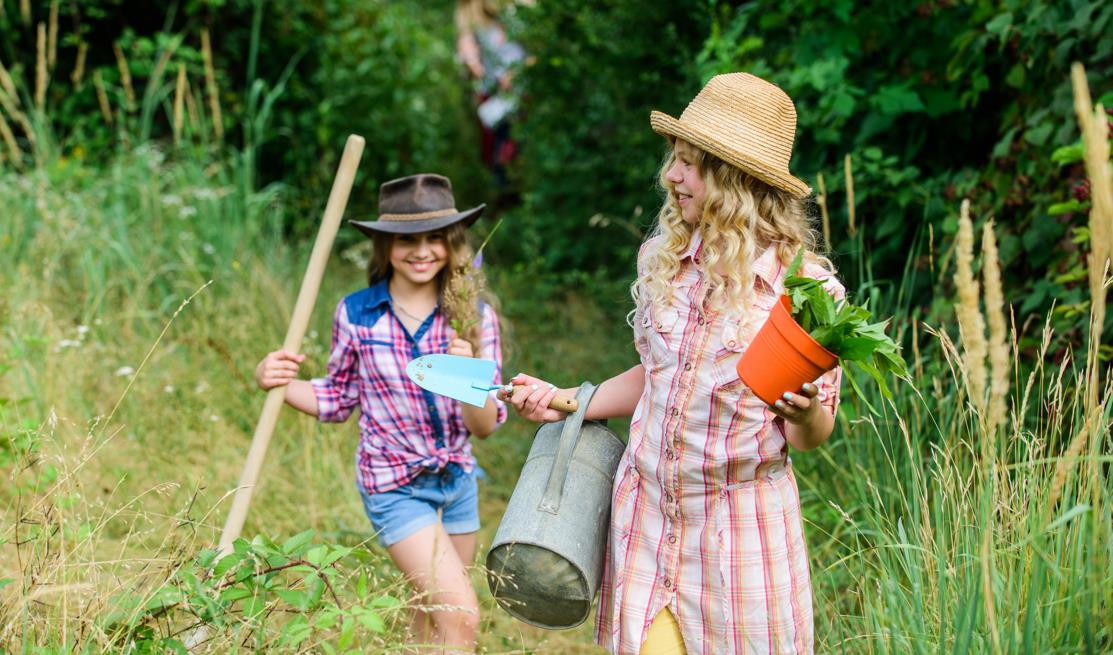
{"points": [[399, 307]]}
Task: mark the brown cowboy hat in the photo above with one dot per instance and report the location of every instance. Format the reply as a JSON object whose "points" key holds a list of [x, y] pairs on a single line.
{"points": [[417, 203], [745, 121]]}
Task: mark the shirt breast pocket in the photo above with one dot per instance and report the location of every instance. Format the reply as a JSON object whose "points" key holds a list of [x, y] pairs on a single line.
{"points": [[728, 350], [663, 337]]}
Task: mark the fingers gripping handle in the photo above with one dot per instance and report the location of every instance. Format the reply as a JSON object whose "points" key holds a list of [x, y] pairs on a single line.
{"points": [[559, 403], [569, 437]]}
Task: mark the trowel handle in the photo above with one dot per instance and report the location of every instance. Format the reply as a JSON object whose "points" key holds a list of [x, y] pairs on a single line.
{"points": [[559, 403]]}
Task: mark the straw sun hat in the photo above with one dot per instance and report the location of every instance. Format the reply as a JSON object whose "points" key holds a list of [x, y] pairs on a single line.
{"points": [[746, 122]]}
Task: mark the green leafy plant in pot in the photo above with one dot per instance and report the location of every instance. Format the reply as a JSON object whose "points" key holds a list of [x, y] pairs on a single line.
{"points": [[808, 333]]}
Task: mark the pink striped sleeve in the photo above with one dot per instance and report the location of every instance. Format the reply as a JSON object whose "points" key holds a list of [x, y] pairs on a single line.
{"points": [[338, 392], [490, 347]]}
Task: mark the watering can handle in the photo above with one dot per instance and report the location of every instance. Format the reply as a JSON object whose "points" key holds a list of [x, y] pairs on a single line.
{"points": [[569, 436]]}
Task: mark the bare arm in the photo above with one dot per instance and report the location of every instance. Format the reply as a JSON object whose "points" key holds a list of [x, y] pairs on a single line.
{"points": [[616, 396]]}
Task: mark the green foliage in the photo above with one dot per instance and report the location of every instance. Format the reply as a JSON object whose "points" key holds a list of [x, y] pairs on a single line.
{"points": [[294, 80], [589, 159], [844, 329], [933, 101], [248, 591]]}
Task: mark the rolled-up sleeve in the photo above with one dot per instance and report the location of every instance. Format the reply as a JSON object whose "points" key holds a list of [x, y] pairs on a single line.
{"points": [[338, 392], [490, 347]]}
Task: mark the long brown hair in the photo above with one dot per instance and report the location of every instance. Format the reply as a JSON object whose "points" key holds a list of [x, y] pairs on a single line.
{"points": [[460, 285]]}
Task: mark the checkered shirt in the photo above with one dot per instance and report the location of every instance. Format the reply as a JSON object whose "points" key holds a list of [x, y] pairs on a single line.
{"points": [[404, 429], [705, 509]]}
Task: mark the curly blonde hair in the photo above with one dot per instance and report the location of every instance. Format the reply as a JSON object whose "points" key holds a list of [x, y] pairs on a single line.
{"points": [[742, 216], [460, 284]]}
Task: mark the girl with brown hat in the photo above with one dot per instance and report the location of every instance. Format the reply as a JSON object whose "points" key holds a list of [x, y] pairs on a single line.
{"points": [[706, 551], [414, 467]]}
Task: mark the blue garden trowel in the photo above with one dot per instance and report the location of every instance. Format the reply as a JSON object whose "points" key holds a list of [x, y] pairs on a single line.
{"points": [[466, 379]]}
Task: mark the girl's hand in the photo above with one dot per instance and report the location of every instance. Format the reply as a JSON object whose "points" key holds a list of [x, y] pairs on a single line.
{"points": [[531, 400], [461, 348], [277, 369], [796, 408]]}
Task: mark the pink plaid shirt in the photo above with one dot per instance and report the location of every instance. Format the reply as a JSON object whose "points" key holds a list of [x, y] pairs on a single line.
{"points": [[403, 428], [705, 510]]}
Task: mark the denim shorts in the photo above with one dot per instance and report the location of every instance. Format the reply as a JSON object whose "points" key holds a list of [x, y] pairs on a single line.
{"points": [[398, 513]]}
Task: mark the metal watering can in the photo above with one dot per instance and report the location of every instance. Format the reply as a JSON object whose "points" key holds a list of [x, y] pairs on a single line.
{"points": [[546, 559]]}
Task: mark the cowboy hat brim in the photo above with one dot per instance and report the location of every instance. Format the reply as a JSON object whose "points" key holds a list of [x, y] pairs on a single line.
{"points": [[666, 125], [371, 228]]}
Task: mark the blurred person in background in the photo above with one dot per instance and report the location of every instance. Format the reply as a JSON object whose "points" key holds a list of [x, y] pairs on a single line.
{"points": [[491, 60]]}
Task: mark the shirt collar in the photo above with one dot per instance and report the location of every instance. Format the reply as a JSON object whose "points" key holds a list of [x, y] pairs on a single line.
{"points": [[768, 266], [694, 244], [379, 294]]}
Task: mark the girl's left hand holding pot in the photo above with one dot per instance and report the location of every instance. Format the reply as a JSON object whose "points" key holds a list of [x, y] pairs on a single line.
{"points": [[531, 399], [797, 408]]}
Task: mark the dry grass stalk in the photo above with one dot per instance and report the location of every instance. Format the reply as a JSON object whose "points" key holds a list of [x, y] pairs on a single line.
{"points": [[102, 97], [7, 84], [125, 76], [971, 324], [179, 99], [8, 103], [14, 153], [41, 79], [1094, 128], [851, 227], [210, 85], [78, 74], [822, 200], [191, 107], [25, 11], [999, 360], [52, 36]]}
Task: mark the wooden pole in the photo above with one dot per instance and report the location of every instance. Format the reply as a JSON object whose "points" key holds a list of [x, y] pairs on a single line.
{"points": [[307, 297]]}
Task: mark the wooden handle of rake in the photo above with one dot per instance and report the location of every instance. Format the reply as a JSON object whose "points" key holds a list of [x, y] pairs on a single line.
{"points": [[307, 297]]}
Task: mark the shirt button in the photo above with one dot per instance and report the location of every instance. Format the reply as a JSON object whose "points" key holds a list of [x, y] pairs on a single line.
{"points": [[431, 408], [672, 538], [675, 411], [732, 343], [687, 366], [700, 319], [669, 454], [668, 583]]}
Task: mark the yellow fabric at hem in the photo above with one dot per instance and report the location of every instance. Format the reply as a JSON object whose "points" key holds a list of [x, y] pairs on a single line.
{"points": [[663, 636]]}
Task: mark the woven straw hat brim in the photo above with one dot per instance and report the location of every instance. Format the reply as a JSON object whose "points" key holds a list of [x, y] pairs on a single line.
{"points": [[371, 228], [666, 125]]}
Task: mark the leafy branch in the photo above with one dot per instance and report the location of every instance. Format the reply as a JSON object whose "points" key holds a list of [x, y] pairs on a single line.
{"points": [[844, 329]]}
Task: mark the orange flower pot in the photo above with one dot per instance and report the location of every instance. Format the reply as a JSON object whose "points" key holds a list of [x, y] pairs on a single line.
{"points": [[783, 356]]}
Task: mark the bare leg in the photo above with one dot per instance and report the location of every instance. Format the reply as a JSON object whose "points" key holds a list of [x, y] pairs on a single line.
{"points": [[430, 561]]}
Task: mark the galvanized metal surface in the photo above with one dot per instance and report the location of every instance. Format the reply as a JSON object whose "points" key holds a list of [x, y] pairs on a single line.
{"points": [[546, 559]]}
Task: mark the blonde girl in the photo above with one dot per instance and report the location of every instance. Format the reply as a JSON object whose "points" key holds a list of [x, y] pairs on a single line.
{"points": [[706, 552], [414, 467]]}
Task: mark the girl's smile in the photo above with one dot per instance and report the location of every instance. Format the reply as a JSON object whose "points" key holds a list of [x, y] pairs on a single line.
{"points": [[688, 188], [418, 258]]}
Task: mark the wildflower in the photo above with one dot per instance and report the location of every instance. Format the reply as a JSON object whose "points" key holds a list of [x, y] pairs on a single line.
{"points": [[208, 248], [168, 389], [187, 212], [172, 200], [124, 371], [82, 330]]}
